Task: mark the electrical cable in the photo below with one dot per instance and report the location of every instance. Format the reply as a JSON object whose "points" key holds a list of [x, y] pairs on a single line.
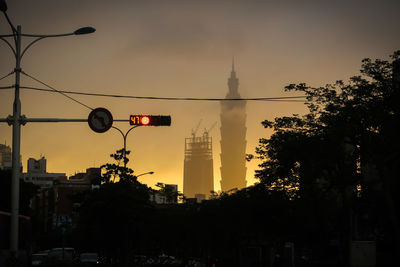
{"points": [[6, 87], [7, 75], [55, 90], [64, 93], [277, 99]]}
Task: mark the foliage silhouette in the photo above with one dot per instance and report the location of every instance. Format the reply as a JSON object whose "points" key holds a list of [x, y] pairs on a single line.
{"points": [[117, 171], [111, 217], [347, 140], [27, 191]]}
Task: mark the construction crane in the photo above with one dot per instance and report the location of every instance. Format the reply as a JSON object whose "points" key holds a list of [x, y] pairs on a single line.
{"points": [[197, 128], [209, 129]]}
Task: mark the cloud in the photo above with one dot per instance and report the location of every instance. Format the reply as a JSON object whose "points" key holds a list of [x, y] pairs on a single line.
{"points": [[178, 32]]}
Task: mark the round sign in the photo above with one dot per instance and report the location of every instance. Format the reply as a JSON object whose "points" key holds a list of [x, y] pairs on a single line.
{"points": [[100, 120]]}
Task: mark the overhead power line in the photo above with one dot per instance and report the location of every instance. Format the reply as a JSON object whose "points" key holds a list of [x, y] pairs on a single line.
{"points": [[55, 90], [6, 75], [7, 87], [66, 93], [280, 99]]}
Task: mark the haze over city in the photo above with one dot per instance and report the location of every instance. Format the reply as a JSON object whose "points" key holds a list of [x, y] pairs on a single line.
{"points": [[179, 49]]}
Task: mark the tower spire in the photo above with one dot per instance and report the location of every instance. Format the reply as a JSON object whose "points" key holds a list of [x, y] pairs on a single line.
{"points": [[233, 73], [233, 83]]}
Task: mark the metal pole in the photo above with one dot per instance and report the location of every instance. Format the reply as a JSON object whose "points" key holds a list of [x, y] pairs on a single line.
{"points": [[125, 136], [16, 142], [125, 150]]}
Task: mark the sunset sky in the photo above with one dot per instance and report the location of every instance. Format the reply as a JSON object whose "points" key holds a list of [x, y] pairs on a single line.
{"points": [[178, 49]]}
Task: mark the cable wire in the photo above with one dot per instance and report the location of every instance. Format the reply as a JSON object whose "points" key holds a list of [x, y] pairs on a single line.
{"points": [[55, 90], [64, 93], [6, 87], [7, 75], [277, 99]]}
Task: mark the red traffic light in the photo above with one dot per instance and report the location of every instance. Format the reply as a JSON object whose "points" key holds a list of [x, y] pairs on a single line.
{"points": [[150, 120], [144, 120]]}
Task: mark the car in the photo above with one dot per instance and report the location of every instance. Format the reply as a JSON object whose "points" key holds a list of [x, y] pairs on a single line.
{"points": [[38, 259], [59, 256], [89, 259]]}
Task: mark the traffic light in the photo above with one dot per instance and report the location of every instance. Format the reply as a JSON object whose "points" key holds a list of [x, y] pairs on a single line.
{"points": [[150, 120]]}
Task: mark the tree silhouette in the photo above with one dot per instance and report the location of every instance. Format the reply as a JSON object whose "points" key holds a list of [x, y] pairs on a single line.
{"points": [[114, 216], [117, 171], [171, 196], [346, 142]]}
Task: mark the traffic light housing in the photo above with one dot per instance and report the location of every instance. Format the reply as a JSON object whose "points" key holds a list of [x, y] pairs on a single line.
{"points": [[150, 120]]}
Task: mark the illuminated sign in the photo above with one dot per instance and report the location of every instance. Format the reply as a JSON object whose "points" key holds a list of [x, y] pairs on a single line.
{"points": [[150, 120]]}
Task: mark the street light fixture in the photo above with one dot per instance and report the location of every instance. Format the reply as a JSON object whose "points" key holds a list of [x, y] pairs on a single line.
{"points": [[3, 6], [16, 119], [144, 174], [84, 30]]}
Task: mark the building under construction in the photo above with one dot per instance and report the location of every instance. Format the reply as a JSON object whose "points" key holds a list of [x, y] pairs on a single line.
{"points": [[198, 175]]}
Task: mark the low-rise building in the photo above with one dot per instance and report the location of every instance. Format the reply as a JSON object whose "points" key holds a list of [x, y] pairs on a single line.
{"points": [[38, 175], [166, 195], [56, 205]]}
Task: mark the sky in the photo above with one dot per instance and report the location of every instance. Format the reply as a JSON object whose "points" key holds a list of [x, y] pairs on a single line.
{"points": [[178, 49]]}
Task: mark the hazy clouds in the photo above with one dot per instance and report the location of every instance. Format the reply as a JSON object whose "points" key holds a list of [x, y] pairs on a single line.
{"points": [[180, 49]]}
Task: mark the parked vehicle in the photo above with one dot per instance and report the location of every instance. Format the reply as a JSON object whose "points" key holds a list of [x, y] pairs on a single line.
{"points": [[86, 259], [60, 257], [38, 259]]}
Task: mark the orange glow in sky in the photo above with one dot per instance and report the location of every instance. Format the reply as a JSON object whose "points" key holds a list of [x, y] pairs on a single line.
{"points": [[178, 49]]}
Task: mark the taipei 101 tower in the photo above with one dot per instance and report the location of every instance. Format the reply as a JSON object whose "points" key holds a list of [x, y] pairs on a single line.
{"points": [[233, 137]]}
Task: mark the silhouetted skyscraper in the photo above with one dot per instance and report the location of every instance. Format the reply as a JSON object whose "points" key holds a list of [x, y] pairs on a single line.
{"points": [[233, 138], [198, 174]]}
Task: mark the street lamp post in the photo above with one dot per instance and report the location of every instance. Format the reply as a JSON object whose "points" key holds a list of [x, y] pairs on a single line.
{"points": [[124, 136], [16, 120]]}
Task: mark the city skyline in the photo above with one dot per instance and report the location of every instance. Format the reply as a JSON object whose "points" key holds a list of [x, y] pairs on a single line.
{"points": [[179, 49]]}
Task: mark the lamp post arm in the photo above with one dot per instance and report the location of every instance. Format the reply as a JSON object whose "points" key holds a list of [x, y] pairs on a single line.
{"points": [[47, 35], [144, 173], [123, 136], [9, 44], [126, 135], [40, 37], [30, 44], [133, 127]]}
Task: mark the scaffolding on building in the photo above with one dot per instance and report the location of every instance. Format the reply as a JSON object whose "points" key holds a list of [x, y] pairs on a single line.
{"points": [[198, 166]]}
